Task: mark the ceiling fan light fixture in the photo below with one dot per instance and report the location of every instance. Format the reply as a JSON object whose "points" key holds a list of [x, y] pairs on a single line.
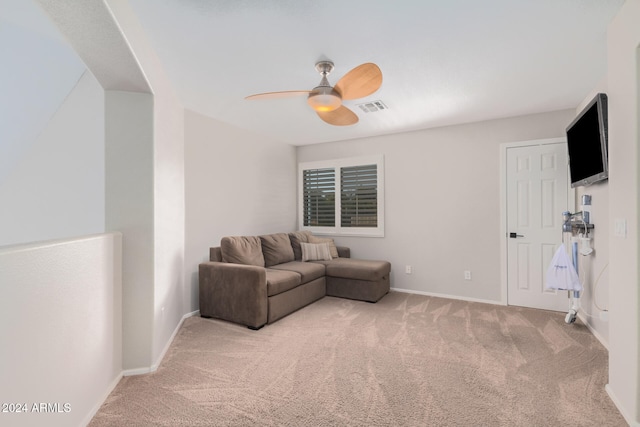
{"points": [[324, 98]]}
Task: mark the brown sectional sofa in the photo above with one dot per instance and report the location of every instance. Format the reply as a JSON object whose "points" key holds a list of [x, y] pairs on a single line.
{"points": [[255, 280]]}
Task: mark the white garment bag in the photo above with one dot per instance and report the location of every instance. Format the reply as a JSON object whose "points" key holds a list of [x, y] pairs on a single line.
{"points": [[561, 273]]}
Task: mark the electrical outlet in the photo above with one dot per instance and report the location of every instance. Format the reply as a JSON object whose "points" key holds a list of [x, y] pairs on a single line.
{"points": [[407, 269], [467, 275]]}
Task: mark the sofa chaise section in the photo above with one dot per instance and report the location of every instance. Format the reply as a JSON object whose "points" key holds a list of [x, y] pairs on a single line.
{"points": [[364, 280]]}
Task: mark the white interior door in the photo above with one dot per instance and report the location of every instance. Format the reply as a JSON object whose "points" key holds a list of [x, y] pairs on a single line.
{"points": [[537, 193]]}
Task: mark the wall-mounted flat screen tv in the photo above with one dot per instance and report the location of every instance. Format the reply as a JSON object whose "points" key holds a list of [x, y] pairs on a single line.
{"points": [[587, 141]]}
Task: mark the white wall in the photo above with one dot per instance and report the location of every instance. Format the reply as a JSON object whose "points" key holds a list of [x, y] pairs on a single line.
{"points": [[129, 210], [61, 331], [39, 73], [171, 300], [442, 201], [51, 133], [61, 309], [237, 183], [624, 199], [56, 190], [594, 268], [168, 292]]}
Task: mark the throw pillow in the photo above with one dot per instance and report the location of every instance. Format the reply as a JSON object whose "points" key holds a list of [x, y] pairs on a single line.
{"points": [[315, 251], [332, 245]]}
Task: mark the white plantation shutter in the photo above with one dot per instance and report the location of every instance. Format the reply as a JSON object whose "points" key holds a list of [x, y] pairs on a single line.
{"points": [[342, 196], [319, 197], [359, 196]]}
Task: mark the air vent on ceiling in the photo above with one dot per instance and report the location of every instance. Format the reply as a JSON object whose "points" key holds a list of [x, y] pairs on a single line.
{"points": [[373, 106]]}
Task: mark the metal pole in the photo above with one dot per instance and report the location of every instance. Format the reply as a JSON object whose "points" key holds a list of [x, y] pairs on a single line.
{"points": [[574, 253]]}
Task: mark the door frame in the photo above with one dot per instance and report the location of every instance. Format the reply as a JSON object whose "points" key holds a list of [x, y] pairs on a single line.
{"points": [[503, 204]]}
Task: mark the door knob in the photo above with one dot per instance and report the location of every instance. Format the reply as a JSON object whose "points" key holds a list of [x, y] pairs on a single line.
{"points": [[514, 235]]}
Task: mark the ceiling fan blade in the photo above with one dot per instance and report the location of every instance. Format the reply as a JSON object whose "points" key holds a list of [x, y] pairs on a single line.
{"points": [[362, 81], [342, 116], [284, 94]]}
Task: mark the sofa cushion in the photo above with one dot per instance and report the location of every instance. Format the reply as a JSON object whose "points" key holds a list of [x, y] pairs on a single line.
{"points": [[279, 281], [315, 251], [296, 238], [308, 271], [215, 254], [276, 249], [332, 245], [360, 269], [242, 250]]}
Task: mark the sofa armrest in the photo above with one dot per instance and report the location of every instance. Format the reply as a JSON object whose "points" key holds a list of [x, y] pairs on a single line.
{"points": [[233, 292], [344, 252]]}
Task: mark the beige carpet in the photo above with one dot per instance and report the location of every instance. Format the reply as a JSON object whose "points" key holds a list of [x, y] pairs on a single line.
{"points": [[408, 360]]}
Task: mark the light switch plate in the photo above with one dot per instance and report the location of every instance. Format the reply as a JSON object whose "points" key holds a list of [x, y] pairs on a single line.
{"points": [[620, 228]]}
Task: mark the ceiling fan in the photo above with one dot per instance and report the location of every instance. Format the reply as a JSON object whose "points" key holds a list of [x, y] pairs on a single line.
{"points": [[326, 100]]}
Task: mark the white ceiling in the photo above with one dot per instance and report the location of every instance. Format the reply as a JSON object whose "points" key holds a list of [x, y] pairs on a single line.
{"points": [[444, 61]]}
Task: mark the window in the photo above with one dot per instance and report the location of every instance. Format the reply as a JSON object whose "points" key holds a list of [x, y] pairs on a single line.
{"points": [[359, 196], [343, 196], [319, 197]]}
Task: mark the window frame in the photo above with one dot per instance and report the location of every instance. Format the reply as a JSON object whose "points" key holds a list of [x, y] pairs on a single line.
{"points": [[337, 164]]}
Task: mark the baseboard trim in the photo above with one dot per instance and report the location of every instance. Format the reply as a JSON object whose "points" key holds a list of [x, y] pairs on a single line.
{"points": [[102, 399], [593, 331], [156, 365], [136, 371], [614, 399], [447, 296]]}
